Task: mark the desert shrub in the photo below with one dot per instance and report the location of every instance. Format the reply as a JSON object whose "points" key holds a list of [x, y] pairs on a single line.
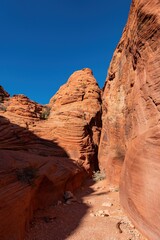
{"points": [[45, 113], [1, 98], [53, 100], [98, 176], [3, 107], [27, 175]]}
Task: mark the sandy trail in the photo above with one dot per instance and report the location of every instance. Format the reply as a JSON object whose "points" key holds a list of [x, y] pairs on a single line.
{"points": [[96, 215]]}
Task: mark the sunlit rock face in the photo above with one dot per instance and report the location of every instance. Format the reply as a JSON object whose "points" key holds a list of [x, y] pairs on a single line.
{"points": [[75, 118], [46, 150], [130, 141]]}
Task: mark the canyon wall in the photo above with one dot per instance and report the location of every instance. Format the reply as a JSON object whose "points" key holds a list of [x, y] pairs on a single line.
{"points": [[46, 150], [129, 148]]}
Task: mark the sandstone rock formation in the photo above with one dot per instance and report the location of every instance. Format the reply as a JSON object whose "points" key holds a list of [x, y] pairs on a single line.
{"points": [[46, 153], [75, 118], [131, 117]]}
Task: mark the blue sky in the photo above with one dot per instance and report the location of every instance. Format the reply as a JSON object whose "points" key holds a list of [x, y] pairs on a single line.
{"points": [[42, 42]]}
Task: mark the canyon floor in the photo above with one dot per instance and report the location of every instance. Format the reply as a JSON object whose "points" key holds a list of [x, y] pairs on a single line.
{"points": [[94, 215]]}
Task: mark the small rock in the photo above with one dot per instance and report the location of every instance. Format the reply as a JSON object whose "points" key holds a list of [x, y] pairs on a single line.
{"points": [[102, 213], [69, 197], [132, 226], [92, 214], [69, 202], [107, 204], [59, 203], [106, 213]]}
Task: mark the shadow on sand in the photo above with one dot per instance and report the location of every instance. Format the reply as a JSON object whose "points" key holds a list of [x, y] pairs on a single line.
{"points": [[37, 205]]}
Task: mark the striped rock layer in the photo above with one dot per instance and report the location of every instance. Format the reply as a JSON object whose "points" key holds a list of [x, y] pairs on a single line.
{"points": [[46, 150], [130, 140]]}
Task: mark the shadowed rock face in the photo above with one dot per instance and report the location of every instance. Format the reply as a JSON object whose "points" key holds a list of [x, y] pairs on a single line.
{"points": [[34, 173], [131, 117], [3, 94], [44, 154]]}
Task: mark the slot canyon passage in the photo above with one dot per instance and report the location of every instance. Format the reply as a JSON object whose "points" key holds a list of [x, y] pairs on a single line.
{"points": [[50, 153]]}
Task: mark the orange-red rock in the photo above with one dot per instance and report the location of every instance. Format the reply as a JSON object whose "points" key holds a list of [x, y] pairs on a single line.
{"points": [[131, 117], [75, 118], [42, 156]]}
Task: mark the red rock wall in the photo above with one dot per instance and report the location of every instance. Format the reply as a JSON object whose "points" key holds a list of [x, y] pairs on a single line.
{"points": [[75, 118], [59, 146], [130, 139]]}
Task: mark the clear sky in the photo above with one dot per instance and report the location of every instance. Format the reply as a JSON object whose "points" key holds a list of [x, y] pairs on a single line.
{"points": [[42, 42]]}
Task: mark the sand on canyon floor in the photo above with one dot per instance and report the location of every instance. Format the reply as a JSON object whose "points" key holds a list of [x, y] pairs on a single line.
{"points": [[93, 214]]}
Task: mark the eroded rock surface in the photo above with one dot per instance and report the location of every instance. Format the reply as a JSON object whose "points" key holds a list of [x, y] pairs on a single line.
{"points": [[46, 150], [75, 118], [131, 117]]}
